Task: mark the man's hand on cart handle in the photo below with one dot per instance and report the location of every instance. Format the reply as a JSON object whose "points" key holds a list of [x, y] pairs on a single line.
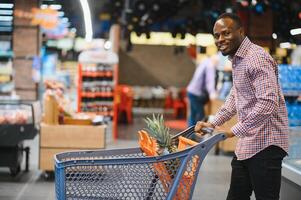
{"points": [[204, 128]]}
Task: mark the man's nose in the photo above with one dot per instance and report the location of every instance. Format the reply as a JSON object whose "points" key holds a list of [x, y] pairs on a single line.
{"points": [[220, 38]]}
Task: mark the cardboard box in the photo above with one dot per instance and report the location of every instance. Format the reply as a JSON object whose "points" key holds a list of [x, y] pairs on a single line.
{"points": [[227, 145], [51, 110], [61, 138], [72, 136], [72, 121]]}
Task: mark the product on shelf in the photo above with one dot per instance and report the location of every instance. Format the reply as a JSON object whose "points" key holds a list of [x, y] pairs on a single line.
{"points": [[6, 76], [290, 79], [97, 91], [97, 78]]}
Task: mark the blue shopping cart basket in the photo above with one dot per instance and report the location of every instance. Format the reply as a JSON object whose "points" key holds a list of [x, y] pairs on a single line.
{"points": [[130, 174]]}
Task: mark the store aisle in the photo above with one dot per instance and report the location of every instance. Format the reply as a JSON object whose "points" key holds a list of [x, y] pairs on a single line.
{"points": [[212, 183]]}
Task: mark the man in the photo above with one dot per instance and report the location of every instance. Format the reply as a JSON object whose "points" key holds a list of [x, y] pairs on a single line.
{"points": [[262, 127], [201, 88]]}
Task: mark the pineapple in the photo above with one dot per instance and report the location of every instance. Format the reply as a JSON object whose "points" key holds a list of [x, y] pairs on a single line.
{"points": [[157, 130]]}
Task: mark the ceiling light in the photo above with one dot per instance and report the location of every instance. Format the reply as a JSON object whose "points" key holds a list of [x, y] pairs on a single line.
{"points": [[87, 18], [229, 10], [55, 6], [285, 45], [6, 5], [295, 31]]}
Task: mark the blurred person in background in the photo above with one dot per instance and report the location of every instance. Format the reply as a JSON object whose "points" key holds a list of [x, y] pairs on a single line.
{"points": [[201, 88]]}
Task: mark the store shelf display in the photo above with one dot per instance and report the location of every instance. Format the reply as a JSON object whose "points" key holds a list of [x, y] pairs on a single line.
{"points": [[290, 82], [97, 89], [290, 79], [97, 80], [6, 76], [294, 113]]}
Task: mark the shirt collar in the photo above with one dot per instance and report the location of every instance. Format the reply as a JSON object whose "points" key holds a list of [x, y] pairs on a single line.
{"points": [[243, 48]]}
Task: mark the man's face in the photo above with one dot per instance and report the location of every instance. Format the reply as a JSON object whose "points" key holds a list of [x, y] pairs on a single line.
{"points": [[227, 36]]}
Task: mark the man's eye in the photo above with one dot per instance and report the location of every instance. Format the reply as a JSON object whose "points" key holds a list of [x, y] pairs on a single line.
{"points": [[227, 33]]}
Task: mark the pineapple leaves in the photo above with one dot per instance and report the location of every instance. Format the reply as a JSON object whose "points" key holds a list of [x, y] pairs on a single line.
{"points": [[157, 129]]}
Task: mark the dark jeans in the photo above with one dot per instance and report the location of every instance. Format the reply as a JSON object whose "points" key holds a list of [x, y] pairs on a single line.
{"points": [[197, 112], [261, 174]]}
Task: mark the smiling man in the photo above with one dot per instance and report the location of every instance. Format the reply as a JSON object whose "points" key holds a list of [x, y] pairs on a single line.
{"points": [[256, 98]]}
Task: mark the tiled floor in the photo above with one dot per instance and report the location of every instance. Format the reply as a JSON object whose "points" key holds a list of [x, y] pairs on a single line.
{"points": [[212, 182]]}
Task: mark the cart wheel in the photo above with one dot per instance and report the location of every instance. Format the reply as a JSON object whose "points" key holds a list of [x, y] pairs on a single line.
{"points": [[14, 170]]}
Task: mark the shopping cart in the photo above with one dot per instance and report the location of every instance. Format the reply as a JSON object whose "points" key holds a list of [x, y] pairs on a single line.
{"points": [[130, 174]]}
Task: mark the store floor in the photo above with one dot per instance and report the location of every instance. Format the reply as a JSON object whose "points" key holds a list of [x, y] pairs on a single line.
{"points": [[212, 184]]}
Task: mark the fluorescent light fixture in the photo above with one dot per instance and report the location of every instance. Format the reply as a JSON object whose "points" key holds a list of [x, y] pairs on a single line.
{"points": [[274, 36], [285, 45], [55, 6], [164, 38], [6, 12], [295, 31], [6, 5], [6, 18], [229, 10], [87, 18]]}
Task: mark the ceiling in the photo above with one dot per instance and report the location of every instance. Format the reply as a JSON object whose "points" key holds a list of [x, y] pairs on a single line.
{"points": [[175, 16]]}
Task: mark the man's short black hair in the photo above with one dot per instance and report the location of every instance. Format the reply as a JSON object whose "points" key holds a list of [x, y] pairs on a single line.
{"points": [[232, 16]]}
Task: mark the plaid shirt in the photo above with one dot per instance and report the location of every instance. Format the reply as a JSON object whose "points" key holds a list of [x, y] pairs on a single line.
{"points": [[257, 99]]}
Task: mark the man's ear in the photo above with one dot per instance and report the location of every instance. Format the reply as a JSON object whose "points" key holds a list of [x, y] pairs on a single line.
{"points": [[242, 31]]}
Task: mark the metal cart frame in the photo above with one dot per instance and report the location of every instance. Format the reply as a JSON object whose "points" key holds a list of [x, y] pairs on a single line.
{"points": [[129, 174]]}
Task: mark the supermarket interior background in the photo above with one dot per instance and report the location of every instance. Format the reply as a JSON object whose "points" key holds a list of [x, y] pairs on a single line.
{"points": [[80, 75]]}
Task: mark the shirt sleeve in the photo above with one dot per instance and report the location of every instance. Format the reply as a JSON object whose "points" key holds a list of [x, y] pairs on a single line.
{"points": [[265, 83], [210, 80], [227, 111]]}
